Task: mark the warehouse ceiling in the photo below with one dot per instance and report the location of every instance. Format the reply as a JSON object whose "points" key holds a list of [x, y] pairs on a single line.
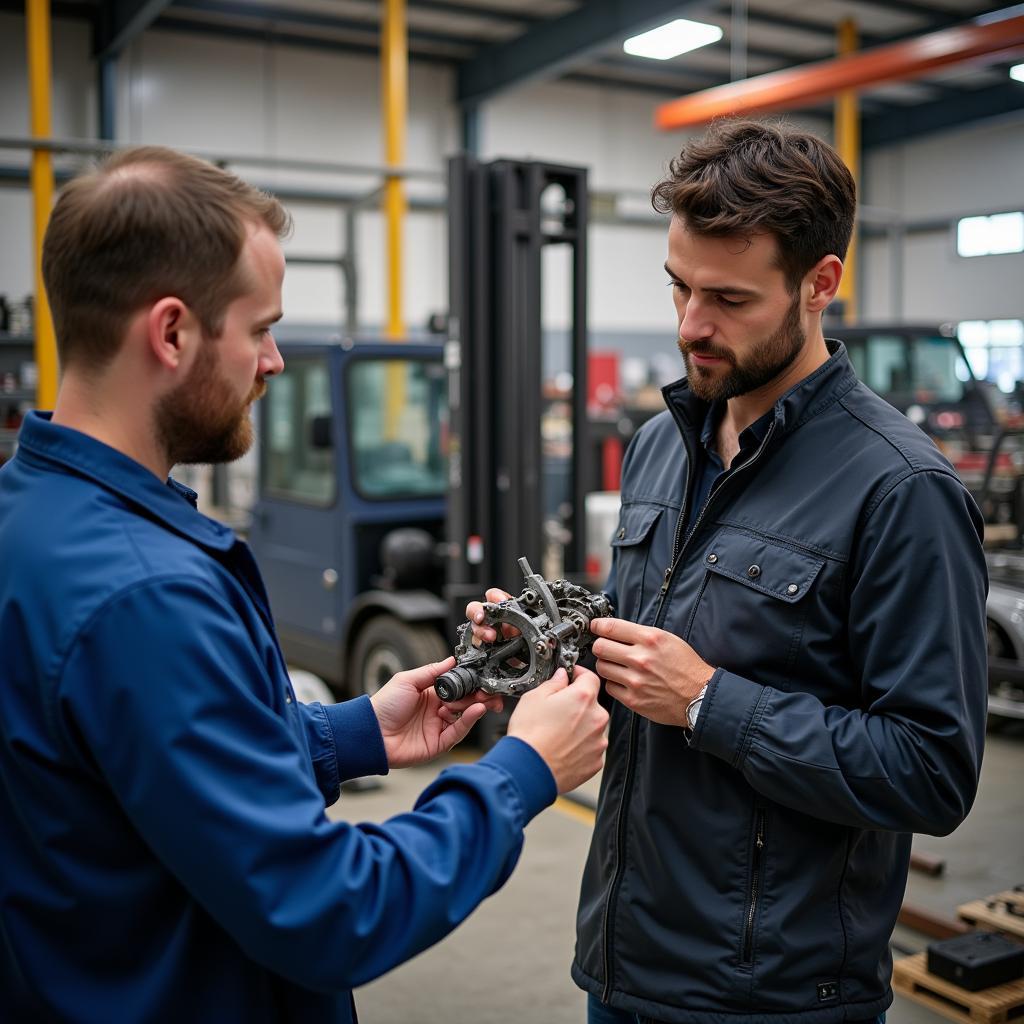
{"points": [[496, 45]]}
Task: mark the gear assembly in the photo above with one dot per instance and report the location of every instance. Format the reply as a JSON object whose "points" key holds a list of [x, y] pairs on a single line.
{"points": [[553, 619]]}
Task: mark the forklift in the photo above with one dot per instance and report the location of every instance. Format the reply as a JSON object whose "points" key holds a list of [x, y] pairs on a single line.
{"points": [[398, 481]]}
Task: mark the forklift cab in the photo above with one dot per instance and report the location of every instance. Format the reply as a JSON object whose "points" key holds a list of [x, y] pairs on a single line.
{"points": [[352, 452]]}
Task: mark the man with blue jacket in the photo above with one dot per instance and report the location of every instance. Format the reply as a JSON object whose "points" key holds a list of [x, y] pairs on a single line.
{"points": [[164, 844], [798, 672]]}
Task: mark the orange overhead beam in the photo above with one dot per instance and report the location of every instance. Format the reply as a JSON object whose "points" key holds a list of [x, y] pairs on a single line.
{"points": [[809, 83]]}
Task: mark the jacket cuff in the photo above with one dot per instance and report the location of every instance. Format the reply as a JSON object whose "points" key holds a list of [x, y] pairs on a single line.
{"points": [[358, 744], [528, 771], [729, 715]]}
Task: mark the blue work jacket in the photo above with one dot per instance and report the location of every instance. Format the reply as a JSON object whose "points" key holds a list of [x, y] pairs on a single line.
{"points": [[751, 872], [165, 850]]}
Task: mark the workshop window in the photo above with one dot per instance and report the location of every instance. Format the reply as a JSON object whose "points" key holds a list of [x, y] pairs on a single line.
{"points": [[298, 460], [990, 236], [995, 350], [398, 413]]}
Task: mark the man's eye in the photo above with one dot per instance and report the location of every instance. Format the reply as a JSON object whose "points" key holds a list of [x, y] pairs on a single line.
{"points": [[728, 302], [677, 285]]}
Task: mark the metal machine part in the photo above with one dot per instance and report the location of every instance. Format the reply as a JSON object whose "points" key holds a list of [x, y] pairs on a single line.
{"points": [[553, 619]]}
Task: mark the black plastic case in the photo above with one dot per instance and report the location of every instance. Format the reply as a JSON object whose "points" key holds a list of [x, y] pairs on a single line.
{"points": [[977, 960]]}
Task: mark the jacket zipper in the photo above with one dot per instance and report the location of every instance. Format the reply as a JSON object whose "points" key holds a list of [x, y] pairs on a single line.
{"points": [[620, 838], [747, 952], [678, 548], [634, 729]]}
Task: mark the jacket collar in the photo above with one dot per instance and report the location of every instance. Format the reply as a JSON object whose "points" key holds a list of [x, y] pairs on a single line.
{"points": [[170, 503], [806, 398]]}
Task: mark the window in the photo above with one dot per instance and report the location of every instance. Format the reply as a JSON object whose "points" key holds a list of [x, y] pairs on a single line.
{"points": [[910, 369], [298, 461], [990, 236], [995, 350], [398, 424]]}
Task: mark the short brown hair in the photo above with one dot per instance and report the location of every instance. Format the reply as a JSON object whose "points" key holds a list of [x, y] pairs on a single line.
{"points": [[745, 177], [148, 222]]}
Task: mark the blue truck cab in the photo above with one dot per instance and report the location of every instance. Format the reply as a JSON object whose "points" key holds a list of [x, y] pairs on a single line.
{"points": [[348, 523]]}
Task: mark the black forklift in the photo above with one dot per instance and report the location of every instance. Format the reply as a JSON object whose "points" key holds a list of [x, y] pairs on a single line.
{"points": [[398, 481]]}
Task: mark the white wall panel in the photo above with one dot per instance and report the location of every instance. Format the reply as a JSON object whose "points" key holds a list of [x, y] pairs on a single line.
{"points": [[16, 243], [327, 107], [424, 266], [313, 295], [184, 90], [977, 169], [940, 284], [628, 280], [73, 100]]}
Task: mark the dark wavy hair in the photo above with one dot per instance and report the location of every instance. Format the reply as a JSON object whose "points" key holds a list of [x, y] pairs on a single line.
{"points": [[747, 177]]}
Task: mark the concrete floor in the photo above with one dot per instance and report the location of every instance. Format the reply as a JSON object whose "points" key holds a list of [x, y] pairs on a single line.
{"points": [[509, 963]]}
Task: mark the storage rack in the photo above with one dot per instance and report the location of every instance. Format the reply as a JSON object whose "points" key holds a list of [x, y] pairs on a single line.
{"points": [[17, 387]]}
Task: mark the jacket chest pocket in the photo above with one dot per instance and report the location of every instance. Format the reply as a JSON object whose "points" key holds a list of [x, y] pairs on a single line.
{"points": [[631, 546], [755, 601]]}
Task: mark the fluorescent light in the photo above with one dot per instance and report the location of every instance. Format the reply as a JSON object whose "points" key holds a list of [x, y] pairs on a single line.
{"points": [[1017, 72], [670, 40]]}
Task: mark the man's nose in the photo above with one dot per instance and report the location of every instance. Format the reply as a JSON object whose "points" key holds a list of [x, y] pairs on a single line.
{"points": [[696, 323], [271, 360]]}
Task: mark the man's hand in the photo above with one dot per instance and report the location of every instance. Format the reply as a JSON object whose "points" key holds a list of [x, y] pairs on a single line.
{"points": [[565, 725], [416, 724], [650, 671], [475, 613]]}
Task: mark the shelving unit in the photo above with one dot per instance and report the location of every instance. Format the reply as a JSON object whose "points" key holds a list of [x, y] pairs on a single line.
{"points": [[17, 351]]}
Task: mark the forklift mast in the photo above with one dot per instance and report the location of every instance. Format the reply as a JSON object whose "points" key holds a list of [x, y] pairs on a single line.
{"points": [[502, 217]]}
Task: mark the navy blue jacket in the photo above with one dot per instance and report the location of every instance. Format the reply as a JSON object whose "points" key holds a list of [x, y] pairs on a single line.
{"points": [[164, 845], [753, 871]]}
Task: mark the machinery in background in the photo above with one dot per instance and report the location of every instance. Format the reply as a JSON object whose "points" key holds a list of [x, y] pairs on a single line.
{"points": [[398, 481], [1005, 621], [923, 371]]}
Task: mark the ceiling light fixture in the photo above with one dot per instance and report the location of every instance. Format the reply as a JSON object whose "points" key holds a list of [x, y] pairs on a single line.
{"points": [[1017, 72], [667, 41]]}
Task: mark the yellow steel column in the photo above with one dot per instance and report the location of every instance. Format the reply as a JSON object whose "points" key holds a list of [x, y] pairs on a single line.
{"points": [[847, 135], [395, 98], [37, 17]]}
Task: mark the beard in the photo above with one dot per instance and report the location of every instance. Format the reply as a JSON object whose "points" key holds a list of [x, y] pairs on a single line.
{"points": [[766, 361], [202, 420]]}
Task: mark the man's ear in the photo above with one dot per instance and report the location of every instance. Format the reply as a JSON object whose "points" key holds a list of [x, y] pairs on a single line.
{"points": [[173, 332], [823, 279]]}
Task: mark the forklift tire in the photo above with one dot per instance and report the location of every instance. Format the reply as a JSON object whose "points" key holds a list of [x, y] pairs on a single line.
{"points": [[386, 645]]}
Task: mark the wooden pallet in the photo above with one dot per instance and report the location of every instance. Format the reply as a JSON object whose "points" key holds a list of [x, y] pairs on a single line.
{"points": [[996, 1005], [998, 917]]}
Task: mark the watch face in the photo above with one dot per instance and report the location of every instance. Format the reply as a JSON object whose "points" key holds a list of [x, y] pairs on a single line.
{"points": [[692, 712], [693, 708]]}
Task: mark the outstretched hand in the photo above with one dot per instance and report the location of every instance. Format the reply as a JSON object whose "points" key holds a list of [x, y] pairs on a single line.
{"points": [[416, 724]]}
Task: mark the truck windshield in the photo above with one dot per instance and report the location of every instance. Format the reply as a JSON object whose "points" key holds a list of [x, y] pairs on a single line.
{"points": [[398, 425], [910, 369]]}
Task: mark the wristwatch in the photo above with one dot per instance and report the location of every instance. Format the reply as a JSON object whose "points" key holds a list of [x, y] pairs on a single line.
{"points": [[693, 708]]}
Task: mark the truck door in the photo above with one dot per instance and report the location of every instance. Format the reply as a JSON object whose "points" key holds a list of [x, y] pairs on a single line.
{"points": [[294, 525]]}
